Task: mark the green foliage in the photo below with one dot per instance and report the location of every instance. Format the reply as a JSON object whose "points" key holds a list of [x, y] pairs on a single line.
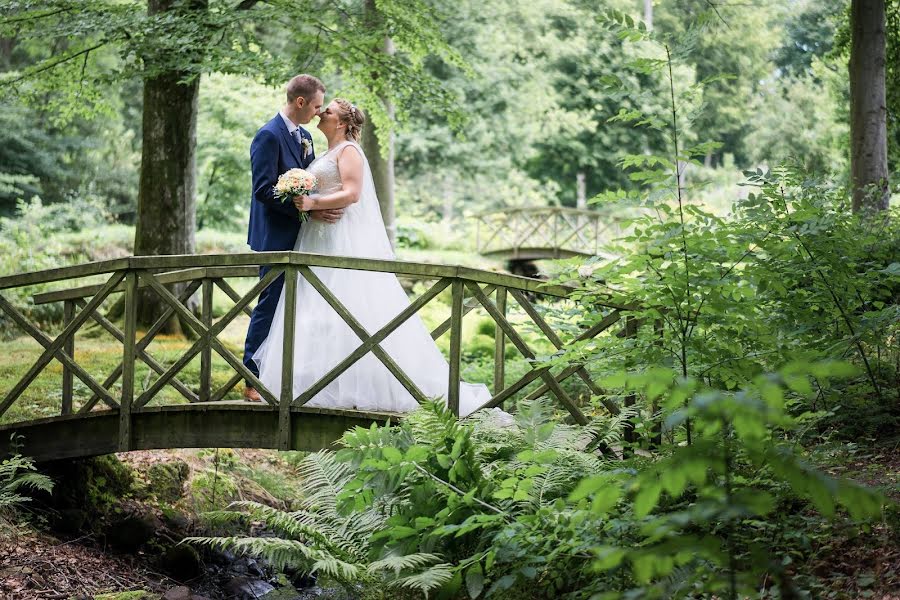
{"points": [[489, 507], [18, 476]]}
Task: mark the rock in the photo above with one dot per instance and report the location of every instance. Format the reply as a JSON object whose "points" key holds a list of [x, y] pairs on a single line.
{"points": [[167, 479], [180, 592], [176, 520], [245, 588], [247, 566], [299, 579], [131, 532], [285, 593], [182, 562]]}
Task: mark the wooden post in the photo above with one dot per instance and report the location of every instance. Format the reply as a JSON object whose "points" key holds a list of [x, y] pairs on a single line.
{"points": [[628, 433], [287, 362], [68, 348], [206, 353], [556, 217], [500, 345], [455, 345], [128, 375]]}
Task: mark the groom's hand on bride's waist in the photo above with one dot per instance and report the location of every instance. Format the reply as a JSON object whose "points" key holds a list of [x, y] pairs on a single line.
{"points": [[328, 216]]}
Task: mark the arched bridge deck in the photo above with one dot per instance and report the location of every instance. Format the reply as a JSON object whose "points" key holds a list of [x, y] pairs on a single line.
{"points": [[548, 232], [146, 402]]}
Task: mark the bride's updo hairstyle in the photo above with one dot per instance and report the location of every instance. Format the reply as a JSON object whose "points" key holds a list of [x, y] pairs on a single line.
{"points": [[352, 117]]}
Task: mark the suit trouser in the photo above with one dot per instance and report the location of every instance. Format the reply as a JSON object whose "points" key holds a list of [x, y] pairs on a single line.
{"points": [[261, 319]]}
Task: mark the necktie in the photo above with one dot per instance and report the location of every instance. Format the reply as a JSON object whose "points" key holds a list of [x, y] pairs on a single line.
{"points": [[299, 139]]}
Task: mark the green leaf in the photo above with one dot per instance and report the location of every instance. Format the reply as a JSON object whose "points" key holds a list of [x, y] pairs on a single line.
{"points": [[392, 454], [474, 581], [646, 499]]}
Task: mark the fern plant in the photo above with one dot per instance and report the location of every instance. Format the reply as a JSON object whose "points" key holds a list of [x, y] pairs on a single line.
{"points": [[415, 506], [18, 475]]}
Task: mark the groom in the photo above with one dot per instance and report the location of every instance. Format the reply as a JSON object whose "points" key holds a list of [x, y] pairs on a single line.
{"points": [[279, 145]]}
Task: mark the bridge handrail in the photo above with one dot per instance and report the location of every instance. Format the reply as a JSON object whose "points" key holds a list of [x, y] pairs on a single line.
{"points": [[541, 209], [189, 262]]}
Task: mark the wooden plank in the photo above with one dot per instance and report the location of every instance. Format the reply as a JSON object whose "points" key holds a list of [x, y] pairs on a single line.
{"points": [[141, 345], [56, 345], [179, 276], [520, 344], [500, 346], [376, 338], [89, 290], [514, 282], [68, 348], [209, 337], [456, 317], [206, 425], [287, 358], [361, 332], [151, 362], [206, 308], [128, 363], [61, 273], [467, 308], [242, 265]]}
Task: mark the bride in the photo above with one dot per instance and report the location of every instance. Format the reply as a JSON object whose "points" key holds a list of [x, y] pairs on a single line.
{"points": [[322, 338]]}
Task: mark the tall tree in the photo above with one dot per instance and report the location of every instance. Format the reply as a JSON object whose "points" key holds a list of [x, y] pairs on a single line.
{"points": [[166, 215], [868, 107], [378, 139], [170, 43]]}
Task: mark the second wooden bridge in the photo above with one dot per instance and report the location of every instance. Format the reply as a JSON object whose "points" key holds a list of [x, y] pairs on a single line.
{"points": [[114, 411], [546, 232]]}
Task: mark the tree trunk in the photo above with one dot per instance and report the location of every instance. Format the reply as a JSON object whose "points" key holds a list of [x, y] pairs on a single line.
{"points": [[381, 159], [166, 214], [648, 14], [868, 107]]}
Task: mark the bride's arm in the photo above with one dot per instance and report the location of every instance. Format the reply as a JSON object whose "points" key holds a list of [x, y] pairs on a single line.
{"points": [[350, 166]]}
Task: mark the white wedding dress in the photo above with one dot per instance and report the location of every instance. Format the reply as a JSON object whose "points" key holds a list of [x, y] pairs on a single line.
{"points": [[323, 339]]}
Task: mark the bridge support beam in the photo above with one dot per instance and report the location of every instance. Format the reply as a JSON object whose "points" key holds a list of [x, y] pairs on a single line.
{"points": [[206, 425]]}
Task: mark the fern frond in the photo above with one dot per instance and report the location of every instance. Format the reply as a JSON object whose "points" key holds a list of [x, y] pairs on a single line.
{"points": [[397, 564], [428, 580], [323, 479]]}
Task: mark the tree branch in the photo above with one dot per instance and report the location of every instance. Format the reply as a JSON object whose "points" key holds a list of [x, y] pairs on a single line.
{"points": [[53, 65]]}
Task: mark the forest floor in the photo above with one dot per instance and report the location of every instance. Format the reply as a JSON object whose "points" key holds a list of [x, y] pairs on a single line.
{"points": [[848, 562]]}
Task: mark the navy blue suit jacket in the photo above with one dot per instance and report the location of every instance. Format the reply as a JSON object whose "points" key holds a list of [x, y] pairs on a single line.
{"points": [[274, 225]]}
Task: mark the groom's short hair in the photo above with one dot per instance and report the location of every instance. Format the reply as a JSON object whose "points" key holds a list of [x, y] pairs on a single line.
{"points": [[305, 86]]}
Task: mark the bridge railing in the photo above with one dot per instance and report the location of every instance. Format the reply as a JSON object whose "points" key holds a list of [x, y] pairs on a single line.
{"points": [[470, 289], [544, 232]]}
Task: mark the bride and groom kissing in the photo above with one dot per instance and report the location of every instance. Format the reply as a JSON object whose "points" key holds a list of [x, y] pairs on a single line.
{"points": [[345, 220]]}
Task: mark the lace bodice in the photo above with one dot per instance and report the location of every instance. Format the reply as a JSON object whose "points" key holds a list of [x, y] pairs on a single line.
{"points": [[325, 169]]}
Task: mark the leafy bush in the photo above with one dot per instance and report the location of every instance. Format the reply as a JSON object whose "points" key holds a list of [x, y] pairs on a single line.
{"points": [[490, 507]]}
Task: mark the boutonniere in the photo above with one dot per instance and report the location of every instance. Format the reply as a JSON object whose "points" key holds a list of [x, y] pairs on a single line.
{"points": [[307, 146]]}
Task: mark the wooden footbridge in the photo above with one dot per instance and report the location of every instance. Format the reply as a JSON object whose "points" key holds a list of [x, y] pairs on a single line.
{"points": [[535, 233], [132, 407]]}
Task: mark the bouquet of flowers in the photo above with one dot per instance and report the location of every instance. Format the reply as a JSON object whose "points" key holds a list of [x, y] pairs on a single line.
{"points": [[296, 182]]}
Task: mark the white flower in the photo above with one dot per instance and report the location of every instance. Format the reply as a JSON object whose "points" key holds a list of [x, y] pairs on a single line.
{"points": [[585, 271]]}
